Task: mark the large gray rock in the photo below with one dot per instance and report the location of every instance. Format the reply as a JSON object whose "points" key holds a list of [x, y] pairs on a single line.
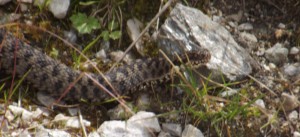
{"points": [[189, 29]]}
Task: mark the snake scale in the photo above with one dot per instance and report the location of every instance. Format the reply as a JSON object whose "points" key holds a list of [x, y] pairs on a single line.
{"points": [[54, 78]]}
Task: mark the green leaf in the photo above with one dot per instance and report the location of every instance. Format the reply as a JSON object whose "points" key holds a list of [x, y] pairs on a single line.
{"points": [[115, 35], [105, 35], [84, 24], [113, 25]]}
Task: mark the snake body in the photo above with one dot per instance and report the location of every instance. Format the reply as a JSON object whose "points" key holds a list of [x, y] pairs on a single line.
{"points": [[55, 78]]}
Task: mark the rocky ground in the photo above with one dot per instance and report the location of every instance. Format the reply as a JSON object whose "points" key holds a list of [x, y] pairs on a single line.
{"points": [[267, 97]]}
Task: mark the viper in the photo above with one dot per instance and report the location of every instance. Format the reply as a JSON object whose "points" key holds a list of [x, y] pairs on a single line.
{"points": [[57, 80]]}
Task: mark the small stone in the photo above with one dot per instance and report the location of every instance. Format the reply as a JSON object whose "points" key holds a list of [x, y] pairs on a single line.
{"points": [[296, 90], [42, 132], [229, 93], [191, 131], [281, 26], [232, 24], [146, 119], [289, 102], [59, 8], [101, 54], [247, 38], [291, 69], [74, 122], [116, 56], [293, 116], [260, 103], [277, 54], [245, 26], [23, 7], [294, 51], [296, 134], [142, 124], [173, 129], [272, 66], [164, 134], [70, 36], [260, 52]]}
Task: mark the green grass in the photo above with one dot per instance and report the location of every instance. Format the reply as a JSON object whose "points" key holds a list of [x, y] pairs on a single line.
{"points": [[217, 112]]}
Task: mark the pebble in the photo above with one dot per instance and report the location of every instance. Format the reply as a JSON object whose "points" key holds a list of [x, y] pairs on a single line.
{"points": [[173, 129], [281, 26], [277, 54], [101, 55], [260, 103], [291, 69], [142, 124], [164, 134], [272, 66], [59, 8], [42, 132], [293, 116], [245, 26], [294, 50], [70, 36], [71, 122], [191, 131], [296, 134], [229, 93], [247, 37], [289, 102]]}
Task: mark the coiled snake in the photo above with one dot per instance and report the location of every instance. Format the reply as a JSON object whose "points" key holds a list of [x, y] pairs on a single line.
{"points": [[55, 78]]}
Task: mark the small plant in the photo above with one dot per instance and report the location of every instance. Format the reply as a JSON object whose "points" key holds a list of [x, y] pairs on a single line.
{"points": [[84, 24], [112, 31]]}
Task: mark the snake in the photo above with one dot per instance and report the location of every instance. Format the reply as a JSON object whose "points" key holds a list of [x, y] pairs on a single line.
{"points": [[57, 80]]}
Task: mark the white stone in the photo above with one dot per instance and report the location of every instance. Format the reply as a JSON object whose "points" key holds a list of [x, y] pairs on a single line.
{"points": [[173, 129], [191, 131], [247, 37], [293, 116], [260, 103], [146, 119], [143, 124], [245, 26], [294, 51], [277, 54], [296, 134], [229, 93], [72, 122], [42, 132], [281, 26], [59, 8]]}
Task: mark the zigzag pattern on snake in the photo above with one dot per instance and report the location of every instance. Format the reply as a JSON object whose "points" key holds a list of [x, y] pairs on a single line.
{"points": [[53, 77]]}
